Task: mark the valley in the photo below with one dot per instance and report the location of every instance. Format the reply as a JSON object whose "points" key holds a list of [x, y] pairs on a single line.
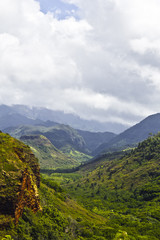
{"points": [[79, 120], [93, 185]]}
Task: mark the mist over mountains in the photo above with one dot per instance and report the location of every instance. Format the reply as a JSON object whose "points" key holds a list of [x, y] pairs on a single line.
{"points": [[35, 115]]}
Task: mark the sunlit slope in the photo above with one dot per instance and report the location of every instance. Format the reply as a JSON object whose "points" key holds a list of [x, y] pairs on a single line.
{"points": [[63, 137], [125, 188], [19, 179], [27, 212], [49, 156]]}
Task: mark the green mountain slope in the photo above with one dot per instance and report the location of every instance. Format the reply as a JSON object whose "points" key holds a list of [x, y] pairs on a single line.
{"points": [[120, 194], [19, 179], [49, 213], [49, 156], [60, 218], [74, 143], [64, 138], [60, 135], [132, 136], [125, 189]]}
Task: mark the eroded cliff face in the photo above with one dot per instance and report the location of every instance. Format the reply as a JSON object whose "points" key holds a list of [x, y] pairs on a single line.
{"points": [[19, 179], [28, 195], [27, 157]]}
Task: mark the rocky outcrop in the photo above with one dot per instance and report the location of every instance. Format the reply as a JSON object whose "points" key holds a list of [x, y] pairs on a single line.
{"points": [[19, 178], [27, 196]]}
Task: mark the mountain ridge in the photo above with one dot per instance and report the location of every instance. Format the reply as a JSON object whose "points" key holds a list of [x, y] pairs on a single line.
{"points": [[122, 188], [125, 189], [48, 213], [49, 156], [63, 136], [132, 136], [45, 114]]}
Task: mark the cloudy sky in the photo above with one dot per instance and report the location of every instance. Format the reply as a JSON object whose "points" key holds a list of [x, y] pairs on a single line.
{"points": [[99, 59]]}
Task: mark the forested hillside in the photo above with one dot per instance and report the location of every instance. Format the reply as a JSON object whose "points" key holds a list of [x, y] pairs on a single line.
{"points": [[117, 194], [34, 208], [49, 156], [124, 189]]}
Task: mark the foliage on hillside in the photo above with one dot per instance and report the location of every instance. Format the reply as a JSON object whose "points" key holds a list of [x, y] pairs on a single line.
{"points": [[59, 218], [120, 194], [125, 190], [49, 156], [79, 156], [59, 135], [63, 138], [19, 179]]}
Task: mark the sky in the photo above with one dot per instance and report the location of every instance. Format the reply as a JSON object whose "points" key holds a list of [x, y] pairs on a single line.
{"points": [[98, 59]]}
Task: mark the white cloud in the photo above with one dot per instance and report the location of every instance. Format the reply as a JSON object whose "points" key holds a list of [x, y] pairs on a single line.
{"points": [[141, 16], [103, 65]]}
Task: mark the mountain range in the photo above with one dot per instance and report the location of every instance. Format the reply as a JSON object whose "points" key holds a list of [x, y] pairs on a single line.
{"points": [[33, 208], [19, 120], [48, 142], [36, 114], [120, 195], [49, 156], [123, 187], [117, 193]]}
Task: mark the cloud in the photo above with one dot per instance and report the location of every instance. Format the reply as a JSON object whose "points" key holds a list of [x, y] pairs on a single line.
{"points": [[102, 63]]}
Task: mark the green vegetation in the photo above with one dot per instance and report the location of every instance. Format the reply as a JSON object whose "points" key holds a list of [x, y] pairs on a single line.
{"points": [[59, 135], [59, 217], [78, 144], [49, 156], [79, 156], [116, 196], [19, 179], [125, 190], [58, 146]]}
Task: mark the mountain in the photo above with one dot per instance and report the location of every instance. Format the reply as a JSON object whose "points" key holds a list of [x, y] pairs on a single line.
{"points": [[58, 146], [61, 136], [30, 209], [124, 188], [49, 156], [132, 136], [94, 139], [118, 195], [73, 120], [72, 142], [15, 119]]}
